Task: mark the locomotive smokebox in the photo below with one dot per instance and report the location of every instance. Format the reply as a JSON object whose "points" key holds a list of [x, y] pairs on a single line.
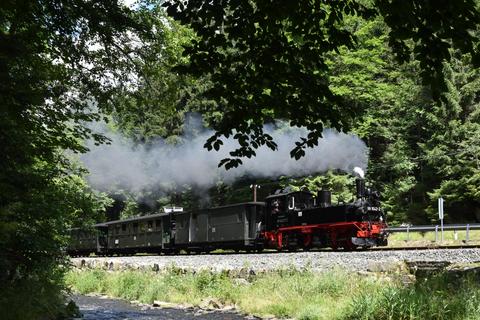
{"points": [[324, 198], [360, 183]]}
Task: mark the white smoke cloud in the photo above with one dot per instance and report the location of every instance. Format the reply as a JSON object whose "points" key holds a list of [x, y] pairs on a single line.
{"points": [[129, 166]]}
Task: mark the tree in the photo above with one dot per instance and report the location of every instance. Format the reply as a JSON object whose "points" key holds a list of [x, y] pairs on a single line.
{"points": [[420, 147], [156, 106], [452, 148], [268, 61], [340, 184], [60, 61]]}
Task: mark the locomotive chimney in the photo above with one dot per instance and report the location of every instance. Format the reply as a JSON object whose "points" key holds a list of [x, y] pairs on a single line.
{"points": [[360, 183], [324, 198]]}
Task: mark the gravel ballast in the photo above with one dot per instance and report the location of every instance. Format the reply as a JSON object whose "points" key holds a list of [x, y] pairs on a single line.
{"points": [[376, 261]]}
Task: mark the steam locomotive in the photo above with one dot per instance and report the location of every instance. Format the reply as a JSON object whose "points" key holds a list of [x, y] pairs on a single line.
{"points": [[284, 221]]}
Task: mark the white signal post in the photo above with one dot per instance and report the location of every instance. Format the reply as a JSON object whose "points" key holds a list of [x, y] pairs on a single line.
{"points": [[440, 213]]}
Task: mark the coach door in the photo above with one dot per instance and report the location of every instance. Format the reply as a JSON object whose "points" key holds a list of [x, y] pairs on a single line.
{"points": [[168, 231], [102, 239], [153, 238], [202, 226], [254, 221]]}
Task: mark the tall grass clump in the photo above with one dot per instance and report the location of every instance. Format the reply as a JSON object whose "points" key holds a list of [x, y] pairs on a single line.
{"points": [[171, 286], [437, 298]]}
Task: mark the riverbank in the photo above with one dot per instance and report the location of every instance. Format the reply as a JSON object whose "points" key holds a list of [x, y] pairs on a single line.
{"points": [[300, 294]]}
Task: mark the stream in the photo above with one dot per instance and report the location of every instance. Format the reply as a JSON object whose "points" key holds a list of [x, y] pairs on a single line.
{"points": [[101, 308]]}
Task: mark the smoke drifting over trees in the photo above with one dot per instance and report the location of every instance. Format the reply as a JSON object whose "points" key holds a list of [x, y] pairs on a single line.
{"points": [[126, 165]]}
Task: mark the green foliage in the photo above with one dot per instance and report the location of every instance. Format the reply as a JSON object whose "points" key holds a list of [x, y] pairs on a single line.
{"points": [[432, 298], [341, 185], [452, 149], [363, 76], [431, 156], [268, 61], [430, 32], [270, 65], [33, 237], [130, 209], [420, 148], [60, 63], [35, 296], [156, 106]]}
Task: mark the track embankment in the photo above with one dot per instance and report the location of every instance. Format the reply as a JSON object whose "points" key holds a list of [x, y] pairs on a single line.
{"points": [[363, 261]]}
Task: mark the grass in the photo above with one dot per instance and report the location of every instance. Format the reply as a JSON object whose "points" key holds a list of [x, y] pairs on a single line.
{"points": [[299, 294], [428, 238], [433, 298]]}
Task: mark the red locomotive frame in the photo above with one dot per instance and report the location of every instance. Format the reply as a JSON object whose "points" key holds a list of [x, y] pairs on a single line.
{"points": [[339, 234]]}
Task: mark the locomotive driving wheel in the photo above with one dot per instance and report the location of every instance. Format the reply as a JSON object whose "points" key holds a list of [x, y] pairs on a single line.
{"points": [[349, 246], [307, 242], [347, 242]]}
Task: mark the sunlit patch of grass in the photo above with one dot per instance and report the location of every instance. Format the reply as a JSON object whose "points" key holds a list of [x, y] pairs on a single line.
{"points": [[428, 238]]}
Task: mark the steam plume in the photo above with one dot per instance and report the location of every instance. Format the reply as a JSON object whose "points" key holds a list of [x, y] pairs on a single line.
{"points": [[359, 172], [125, 165]]}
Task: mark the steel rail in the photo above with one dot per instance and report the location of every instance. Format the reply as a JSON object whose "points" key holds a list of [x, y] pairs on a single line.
{"points": [[426, 228], [434, 247]]}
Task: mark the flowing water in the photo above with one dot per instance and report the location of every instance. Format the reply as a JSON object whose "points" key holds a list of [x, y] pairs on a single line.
{"points": [[101, 308]]}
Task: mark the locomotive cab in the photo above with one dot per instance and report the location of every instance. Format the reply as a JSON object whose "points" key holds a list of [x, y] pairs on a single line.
{"points": [[282, 209]]}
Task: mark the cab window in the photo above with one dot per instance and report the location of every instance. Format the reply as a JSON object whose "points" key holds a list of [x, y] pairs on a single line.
{"points": [[291, 202]]}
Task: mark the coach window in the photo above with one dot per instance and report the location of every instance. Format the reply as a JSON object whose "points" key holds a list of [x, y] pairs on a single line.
{"points": [[158, 224], [150, 226], [117, 229], [135, 227], [124, 228]]}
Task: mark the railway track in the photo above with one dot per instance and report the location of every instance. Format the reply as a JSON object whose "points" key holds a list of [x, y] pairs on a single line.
{"points": [[424, 248], [380, 259], [271, 251]]}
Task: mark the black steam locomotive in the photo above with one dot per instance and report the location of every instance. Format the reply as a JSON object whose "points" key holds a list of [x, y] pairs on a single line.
{"points": [[285, 221]]}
